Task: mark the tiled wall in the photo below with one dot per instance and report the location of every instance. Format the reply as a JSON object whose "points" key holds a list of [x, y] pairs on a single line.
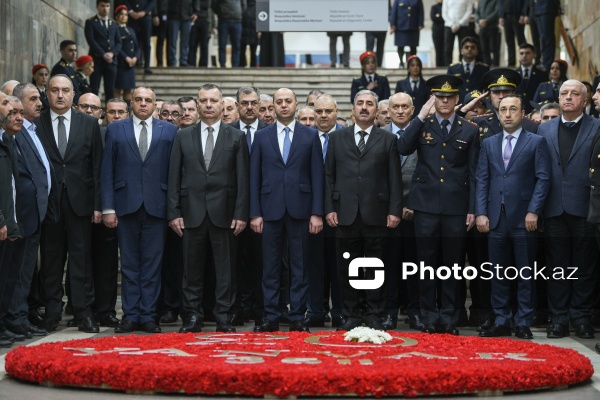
{"points": [[31, 31]]}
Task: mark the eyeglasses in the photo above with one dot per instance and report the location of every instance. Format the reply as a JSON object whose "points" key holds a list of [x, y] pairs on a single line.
{"points": [[174, 114], [115, 112], [86, 106], [253, 103]]}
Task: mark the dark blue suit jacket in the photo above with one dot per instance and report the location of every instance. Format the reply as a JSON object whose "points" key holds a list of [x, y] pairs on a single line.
{"points": [[525, 183], [102, 40], [570, 190], [127, 182], [297, 186]]}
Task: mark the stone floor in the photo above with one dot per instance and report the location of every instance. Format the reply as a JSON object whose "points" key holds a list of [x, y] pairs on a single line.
{"points": [[11, 389]]}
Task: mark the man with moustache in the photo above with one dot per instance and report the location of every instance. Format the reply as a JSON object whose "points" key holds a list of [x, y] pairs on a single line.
{"points": [[249, 297], [383, 114], [208, 206], [266, 110], [441, 196], [402, 238], [569, 236], [322, 268], [190, 112], [37, 201], [286, 200], [171, 111], [76, 159], [134, 200]]}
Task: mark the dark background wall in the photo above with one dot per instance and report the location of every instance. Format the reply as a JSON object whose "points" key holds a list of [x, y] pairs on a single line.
{"points": [[31, 31]]}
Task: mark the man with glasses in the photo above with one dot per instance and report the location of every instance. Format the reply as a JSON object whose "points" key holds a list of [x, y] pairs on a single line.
{"points": [[171, 111], [90, 104], [549, 111], [116, 109], [190, 112]]}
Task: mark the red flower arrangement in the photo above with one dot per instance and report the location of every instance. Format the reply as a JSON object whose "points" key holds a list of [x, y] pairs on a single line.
{"points": [[293, 364]]}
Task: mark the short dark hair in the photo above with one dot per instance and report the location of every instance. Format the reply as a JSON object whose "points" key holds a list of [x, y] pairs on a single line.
{"points": [[526, 46], [185, 99], [65, 43], [173, 103], [98, 2], [246, 90], [516, 96], [469, 39], [210, 86]]}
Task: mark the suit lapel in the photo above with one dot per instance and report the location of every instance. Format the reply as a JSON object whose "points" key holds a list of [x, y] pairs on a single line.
{"points": [[27, 137], [583, 134], [274, 142], [373, 138], [157, 129], [521, 143], [195, 136], [221, 138], [130, 135], [349, 137], [48, 132], [298, 136]]}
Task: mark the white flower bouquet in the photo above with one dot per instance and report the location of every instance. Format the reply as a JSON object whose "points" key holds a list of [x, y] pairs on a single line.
{"points": [[367, 335]]}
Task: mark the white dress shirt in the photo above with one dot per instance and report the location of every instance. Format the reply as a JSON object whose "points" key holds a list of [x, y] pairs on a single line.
{"points": [[357, 136], [137, 129], [281, 133], [253, 128], [67, 121], [204, 133]]}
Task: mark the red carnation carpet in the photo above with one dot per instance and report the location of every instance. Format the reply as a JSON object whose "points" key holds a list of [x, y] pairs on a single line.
{"points": [[300, 364]]}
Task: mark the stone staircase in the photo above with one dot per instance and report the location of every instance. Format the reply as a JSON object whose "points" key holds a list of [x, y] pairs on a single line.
{"points": [[171, 83]]}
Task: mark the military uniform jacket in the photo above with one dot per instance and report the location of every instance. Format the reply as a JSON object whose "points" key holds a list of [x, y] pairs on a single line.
{"points": [[83, 84], [473, 82], [382, 90], [64, 68], [129, 45], [102, 40], [594, 208], [444, 178], [546, 93], [528, 86]]}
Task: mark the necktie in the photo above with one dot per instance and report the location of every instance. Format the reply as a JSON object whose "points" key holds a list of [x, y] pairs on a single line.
{"points": [[248, 137], [104, 24], [16, 147], [526, 74], [569, 124], [287, 143], [507, 150], [62, 136], [210, 145], [414, 85], [325, 143], [467, 70], [445, 124], [361, 142], [399, 134], [370, 79], [143, 142]]}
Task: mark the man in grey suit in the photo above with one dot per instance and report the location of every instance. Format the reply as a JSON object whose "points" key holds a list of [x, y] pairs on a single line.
{"points": [[403, 245], [208, 202], [570, 238]]}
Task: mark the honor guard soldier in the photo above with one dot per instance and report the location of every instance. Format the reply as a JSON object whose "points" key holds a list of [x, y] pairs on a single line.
{"points": [[369, 80], [68, 54], [469, 69]]}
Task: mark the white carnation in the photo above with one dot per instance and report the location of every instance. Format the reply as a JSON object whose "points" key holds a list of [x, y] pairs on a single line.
{"points": [[367, 335]]}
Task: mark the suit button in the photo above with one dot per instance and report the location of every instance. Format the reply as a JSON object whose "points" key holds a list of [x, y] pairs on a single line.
{"points": [[592, 170], [441, 180], [443, 156], [409, 7], [359, 178], [444, 144], [592, 187], [408, 15], [442, 168]]}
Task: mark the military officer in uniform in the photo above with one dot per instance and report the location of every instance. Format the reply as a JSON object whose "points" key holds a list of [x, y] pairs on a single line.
{"points": [[369, 80], [442, 197], [128, 56], [68, 54], [140, 19], [469, 70]]}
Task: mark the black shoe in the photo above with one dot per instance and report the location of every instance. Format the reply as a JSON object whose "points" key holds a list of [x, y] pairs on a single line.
{"points": [[126, 326], [150, 327], [313, 322], [87, 324], [597, 347], [21, 330], [36, 331], [430, 328], [35, 318], [485, 325], [225, 327], [192, 323], [49, 325], [416, 323], [337, 321], [267, 326], [14, 337], [110, 320], [349, 324], [72, 323], [450, 329], [584, 331], [389, 323], [5, 343], [375, 324], [557, 331], [28, 328], [239, 318], [496, 331], [169, 317], [523, 332], [299, 326]]}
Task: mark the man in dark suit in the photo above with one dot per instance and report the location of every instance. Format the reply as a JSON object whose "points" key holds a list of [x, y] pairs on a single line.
{"points": [[402, 238], [37, 196], [531, 75], [363, 198], [442, 196], [286, 200], [73, 144], [68, 55], [140, 19], [208, 206], [569, 237], [102, 35], [134, 200], [249, 297], [469, 70], [322, 269], [513, 180]]}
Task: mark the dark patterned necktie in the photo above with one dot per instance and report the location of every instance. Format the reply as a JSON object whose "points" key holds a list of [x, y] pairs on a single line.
{"points": [[361, 142], [143, 142], [467, 70], [62, 136]]}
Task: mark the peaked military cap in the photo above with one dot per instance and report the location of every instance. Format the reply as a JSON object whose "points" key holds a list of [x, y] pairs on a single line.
{"points": [[444, 85]]}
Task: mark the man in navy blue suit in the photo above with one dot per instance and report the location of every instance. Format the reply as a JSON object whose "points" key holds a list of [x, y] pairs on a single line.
{"points": [[569, 237], [102, 35], [134, 200], [513, 180], [286, 200]]}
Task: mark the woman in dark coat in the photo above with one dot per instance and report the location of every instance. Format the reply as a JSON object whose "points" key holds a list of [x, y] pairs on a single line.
{"points": [[547, 92], [40, 74], [369, 79], [414, 84], [84, 67], [406, 20], [128, 56]]}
